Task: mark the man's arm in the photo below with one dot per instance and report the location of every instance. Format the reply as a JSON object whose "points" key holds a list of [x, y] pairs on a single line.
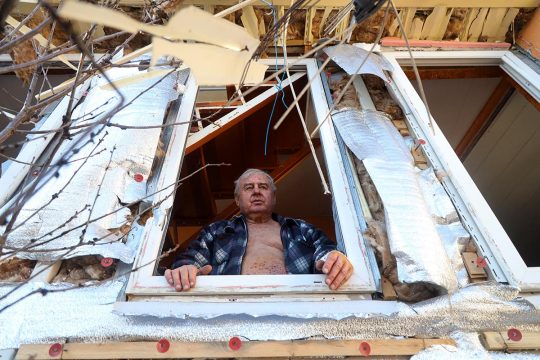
{"points": [[333, 263], [191, 263]]}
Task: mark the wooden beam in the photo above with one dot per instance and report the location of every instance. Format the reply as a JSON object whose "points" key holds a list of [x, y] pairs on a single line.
{"points": [[243, 349], [457, 72], [484, 118], [200, 138], [249, 20], [523, 92], [497, 341]]}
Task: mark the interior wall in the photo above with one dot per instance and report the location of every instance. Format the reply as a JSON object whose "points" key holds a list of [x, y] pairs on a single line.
{"points": [[455, 103], [505, 166]]}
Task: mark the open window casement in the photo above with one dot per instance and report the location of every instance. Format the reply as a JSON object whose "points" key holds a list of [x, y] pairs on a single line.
{"points": [[145, 282], [505, 263]]}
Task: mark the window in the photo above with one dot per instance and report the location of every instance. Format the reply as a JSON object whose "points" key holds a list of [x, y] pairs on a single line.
{"points": [[505, 262], [145, 282]]}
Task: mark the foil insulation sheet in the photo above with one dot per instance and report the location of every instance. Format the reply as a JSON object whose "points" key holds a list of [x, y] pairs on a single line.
{"points": [[86, 315], [116, 163], [350, 57], [413, 238]]}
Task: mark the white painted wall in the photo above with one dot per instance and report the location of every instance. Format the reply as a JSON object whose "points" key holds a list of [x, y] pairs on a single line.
{"points": [[455, 103], [505, 165]]}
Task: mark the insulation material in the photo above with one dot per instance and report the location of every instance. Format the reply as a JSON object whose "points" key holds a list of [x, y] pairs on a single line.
{"points": [[350, 57], [16, 270], [114, 172], [83, 269], [51, 318], [414, 241], [437, 200]]}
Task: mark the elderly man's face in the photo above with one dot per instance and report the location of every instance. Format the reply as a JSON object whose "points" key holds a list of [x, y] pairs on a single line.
{"points": [[256, 195]]}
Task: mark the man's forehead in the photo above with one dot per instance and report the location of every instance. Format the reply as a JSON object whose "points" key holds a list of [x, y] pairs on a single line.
{"points": [[255, 179]]}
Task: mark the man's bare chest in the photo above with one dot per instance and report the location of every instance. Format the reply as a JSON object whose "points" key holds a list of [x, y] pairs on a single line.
{"points": [[264, 251]]}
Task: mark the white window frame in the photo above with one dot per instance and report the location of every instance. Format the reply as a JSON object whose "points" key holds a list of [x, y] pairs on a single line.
{"points": [[505, 263], [143, 283]]}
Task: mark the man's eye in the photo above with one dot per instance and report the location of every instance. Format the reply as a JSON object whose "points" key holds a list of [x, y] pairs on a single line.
{"points": [[264, 187], [248, 187]]}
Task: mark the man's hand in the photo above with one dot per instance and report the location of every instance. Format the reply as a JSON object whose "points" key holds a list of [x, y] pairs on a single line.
{"points": [[337, 267], [185, 277]]}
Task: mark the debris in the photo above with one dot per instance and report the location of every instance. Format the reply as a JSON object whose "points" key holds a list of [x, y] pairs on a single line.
{"points": [[80, 270], [16, 270]]}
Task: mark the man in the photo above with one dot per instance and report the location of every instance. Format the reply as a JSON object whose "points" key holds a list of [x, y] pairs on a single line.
{"points": [[259, 242]]}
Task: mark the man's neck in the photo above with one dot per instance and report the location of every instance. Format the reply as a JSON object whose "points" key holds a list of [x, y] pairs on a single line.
{"points": [[258, 218]]}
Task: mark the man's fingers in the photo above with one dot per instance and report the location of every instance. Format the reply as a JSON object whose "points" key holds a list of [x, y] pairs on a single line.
{"points": [[168, 276], [184, 277], [205, 270], [334, 270], [343, 276], [330, 260], [176, 279]]}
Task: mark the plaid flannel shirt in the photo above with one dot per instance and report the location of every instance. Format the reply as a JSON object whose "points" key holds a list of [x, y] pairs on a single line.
{"points": [[223, 244]]}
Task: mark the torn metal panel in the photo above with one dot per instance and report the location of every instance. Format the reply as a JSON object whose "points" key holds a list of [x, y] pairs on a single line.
{"points": [[413, 239], [350, 57], [56, 221]]}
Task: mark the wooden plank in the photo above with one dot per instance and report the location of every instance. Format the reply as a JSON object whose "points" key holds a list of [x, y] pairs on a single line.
{"points": [[477, 24], [249, 20], [45, 271], [481, 121], [200, 138], [470, 261], [388, 289], [416, 28], [497, 341], [408, 20], [505, 24], [435, 21], [25, 6], [261, 349], [308, 34], [467, 22], [400, 124], [327, 11], [457, 72], [493, 23]]}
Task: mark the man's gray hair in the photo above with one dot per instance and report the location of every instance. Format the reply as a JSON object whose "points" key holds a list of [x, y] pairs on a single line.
{"points": [[247, 174]]}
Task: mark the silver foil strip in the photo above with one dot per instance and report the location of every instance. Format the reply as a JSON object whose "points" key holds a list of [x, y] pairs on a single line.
{"points": [[86, 315], [413, 239], [115, 169], [350, 57]]}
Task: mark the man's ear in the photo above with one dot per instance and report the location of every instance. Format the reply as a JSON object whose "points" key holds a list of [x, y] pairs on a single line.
{"points": [[237, 201]]}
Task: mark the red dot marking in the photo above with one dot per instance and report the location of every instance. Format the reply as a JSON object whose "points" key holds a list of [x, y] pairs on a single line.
{"points": [[55, 350], [35, 173], [138, 177], [421, 141], [481, 262], [163, 345], [235, 343], [365, 348], [106, 262], [514, 334]]}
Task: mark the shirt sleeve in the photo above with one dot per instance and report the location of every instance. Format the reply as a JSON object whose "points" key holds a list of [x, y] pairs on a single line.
{"points": [[322, 244], [198, 252]]}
